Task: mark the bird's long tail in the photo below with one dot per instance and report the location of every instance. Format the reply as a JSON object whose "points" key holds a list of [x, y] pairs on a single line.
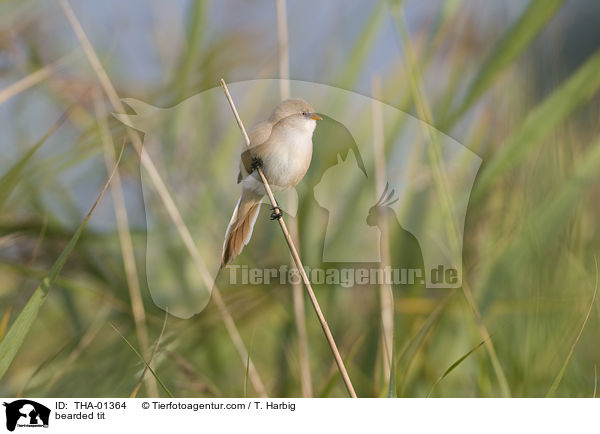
{"points": [[240, 227]]}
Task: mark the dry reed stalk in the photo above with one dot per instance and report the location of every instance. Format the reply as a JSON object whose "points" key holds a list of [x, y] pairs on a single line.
{"points": [[165, 197], [300, 320], [296, 256], [284, 50], [32, 79], [125, 241], [298, 298], [385, 290]]}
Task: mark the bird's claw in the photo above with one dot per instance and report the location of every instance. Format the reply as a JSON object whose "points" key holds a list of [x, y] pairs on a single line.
{"points": [[276, 214], [257, 162]]}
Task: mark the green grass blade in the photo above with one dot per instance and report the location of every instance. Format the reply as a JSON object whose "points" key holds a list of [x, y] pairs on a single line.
{"points": [[455, 364], [4, 321], [18, 330], [154, 351], [579, 88], [561, 373], [9, 346], [10, 179], [513, 43], [167, 391], [246, 376]]}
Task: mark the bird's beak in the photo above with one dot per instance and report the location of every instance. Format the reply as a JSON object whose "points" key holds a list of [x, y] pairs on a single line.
{"points": [[316, 117]]}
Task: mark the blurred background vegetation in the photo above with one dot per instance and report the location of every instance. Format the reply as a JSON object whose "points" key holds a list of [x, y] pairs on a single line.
{"points": [[515, 81]]}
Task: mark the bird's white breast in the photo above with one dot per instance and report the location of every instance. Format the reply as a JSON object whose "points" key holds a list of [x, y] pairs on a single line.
{"points": [[290, 160], [286, 158]]}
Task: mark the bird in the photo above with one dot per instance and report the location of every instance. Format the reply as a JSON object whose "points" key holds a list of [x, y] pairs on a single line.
{"points": [[282, 147]]}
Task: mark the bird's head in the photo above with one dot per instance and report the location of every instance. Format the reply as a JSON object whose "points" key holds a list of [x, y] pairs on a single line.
{"points": [[295, 111]]}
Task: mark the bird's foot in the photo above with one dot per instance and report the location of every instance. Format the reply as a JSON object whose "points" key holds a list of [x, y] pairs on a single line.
{"points": [[276, 214], [257, 162]]}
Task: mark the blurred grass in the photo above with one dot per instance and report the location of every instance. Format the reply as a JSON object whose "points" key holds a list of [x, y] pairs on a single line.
{"points": [[530, 235], [563, 368], [11, 178], [513, 43], [18, 330], [545, 118]]}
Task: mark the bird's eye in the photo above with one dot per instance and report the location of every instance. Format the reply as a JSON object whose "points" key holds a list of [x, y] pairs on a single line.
{"points": [[304, 113]]}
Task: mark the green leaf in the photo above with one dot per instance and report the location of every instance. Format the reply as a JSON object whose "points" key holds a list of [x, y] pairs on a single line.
{"points": [[455, 364], [9, 346], [579, 88], [514, 41]]}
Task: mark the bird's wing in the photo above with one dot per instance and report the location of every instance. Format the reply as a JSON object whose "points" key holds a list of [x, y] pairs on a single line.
{"points": [[260, 133], [258, 136]]}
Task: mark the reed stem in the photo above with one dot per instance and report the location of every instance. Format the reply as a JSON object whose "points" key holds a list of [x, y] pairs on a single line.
{"points": [[296, 257]]}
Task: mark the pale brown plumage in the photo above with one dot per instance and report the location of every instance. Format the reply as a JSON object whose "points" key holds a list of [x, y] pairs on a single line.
{"points": [[284, 145]]}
